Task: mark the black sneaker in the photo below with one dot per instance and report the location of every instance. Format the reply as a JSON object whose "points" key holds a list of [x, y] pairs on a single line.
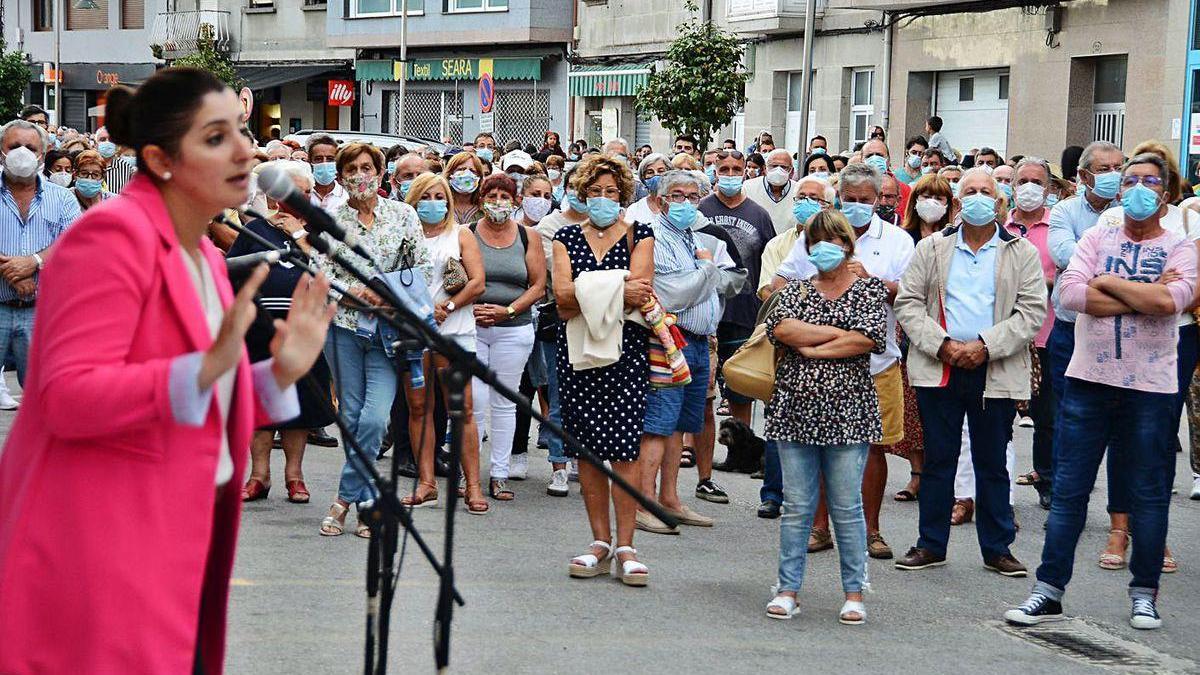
{"points": [[769, 510], [1143, 615], [1037, 609], [711, 492], [321, 438]]}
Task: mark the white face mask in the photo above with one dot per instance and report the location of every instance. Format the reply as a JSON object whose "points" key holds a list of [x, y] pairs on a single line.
{"points": [[20, 162], [535, 208], [778, 176], [1030, 196], [930, 210], [62, 178]]}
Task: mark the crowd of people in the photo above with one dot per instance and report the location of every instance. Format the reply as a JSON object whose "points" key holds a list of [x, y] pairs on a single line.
{"points": [[920, 306]]}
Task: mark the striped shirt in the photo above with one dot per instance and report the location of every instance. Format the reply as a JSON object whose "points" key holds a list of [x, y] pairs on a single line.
{"points": [[120, 170], [52, 210], [686, 286]]}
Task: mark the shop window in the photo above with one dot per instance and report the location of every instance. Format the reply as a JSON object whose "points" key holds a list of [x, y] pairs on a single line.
{"points": [[43, 15], [386, 7], [477, 5]]}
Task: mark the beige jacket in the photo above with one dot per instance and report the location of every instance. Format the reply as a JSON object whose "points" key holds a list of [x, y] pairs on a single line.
{"points": [[1020, 308]]}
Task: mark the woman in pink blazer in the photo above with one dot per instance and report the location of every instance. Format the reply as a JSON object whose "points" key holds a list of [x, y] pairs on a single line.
{"points": [[120, 480]]}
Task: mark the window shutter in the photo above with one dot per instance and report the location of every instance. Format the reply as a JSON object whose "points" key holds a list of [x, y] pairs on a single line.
{"points": [[133, 14], [87, 19]]}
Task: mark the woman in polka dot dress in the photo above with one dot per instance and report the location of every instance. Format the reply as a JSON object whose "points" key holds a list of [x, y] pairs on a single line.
{"points": [[604, 407]]}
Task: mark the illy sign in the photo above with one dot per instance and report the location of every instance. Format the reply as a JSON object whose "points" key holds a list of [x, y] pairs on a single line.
{"points": [[341, 92]]}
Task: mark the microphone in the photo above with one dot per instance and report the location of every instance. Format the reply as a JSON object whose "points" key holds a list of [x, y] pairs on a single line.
{"points": [[241, 266], [278, 185]]}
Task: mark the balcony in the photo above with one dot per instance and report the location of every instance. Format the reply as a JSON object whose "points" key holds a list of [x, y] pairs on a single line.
{"points": [[177, 34], [769, 16]]}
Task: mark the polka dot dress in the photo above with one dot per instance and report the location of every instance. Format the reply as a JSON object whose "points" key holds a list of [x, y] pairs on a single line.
{"points": [[605, 407]]}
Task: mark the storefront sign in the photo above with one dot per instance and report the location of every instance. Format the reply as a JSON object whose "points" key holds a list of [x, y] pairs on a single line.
{"points": [[103, 76], [341, 93], [471, 69]]}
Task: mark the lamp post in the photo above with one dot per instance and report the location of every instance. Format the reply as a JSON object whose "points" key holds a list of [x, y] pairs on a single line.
{"points": [[59, 17], [403, 64]]}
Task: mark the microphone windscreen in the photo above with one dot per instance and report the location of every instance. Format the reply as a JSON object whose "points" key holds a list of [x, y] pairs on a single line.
{"points": [[275, 182]]}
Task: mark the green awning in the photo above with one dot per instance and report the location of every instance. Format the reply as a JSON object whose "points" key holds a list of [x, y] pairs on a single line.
{"points": [[451, 69], [623, 80], [376, 71]]}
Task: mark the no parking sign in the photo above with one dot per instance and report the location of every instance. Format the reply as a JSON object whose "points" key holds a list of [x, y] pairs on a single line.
{"points": [[487, 93]]}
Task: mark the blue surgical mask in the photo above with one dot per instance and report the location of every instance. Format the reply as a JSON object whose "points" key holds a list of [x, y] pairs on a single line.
{"points": [[1080, 189], [926, 170], [106, 148], [823, 175], [730, 185], [954, 188], [878, 162], [1140, 202], [681, 215], [1006, 189], [651, 184], [577, 205], [464, 182], [391, 167], [818, 151], [914, 161], [804, 209], [88, 187], [978, 209], [324, 173], [711, 172], [826, 255], [403, 187], [432, 210], [485, 154], [859, 215], [559, 193], [1051, 200], [602, 211], [1107, 184]]}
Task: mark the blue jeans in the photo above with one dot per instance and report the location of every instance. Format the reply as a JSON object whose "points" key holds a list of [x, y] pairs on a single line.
{"points": [[990, 422], [366, 385], [772, 487], [550, 355], [16, 329], [1095, 416], [842, 468]]}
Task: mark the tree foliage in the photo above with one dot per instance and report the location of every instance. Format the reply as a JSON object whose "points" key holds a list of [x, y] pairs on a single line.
{"points": [[208, 57], [703, 83], [14, 81]]}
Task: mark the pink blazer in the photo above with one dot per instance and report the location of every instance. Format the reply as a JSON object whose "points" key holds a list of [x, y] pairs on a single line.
{"points": [[115, 554]]}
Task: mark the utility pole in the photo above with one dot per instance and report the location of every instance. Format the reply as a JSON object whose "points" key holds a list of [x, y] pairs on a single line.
{"points": [[810, 22], [403, 63], [58, 19]]}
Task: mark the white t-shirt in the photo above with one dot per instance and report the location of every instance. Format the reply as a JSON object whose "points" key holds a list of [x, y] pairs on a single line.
{"points": [[640, 212]]}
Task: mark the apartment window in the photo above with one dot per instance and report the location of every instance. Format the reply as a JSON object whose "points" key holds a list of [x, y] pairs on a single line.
{"points": [[1004, 87], [262, 3], [966, 89], [133, 14], [387, 7], [862, 104], [477, 5], [43, 15], [93, 16]]}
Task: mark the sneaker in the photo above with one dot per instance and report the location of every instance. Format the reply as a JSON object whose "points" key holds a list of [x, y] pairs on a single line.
{"points": [[1006, 565], [518, 468], [1195, 487], [7, 402], [1143, 615], [558, 484], [573, 471], [919, 559], [1037, 609], [769, 510], [1025, 421], [711, 492], [878, 548]]}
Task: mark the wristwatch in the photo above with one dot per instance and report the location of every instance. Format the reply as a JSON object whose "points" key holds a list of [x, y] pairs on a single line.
{"points": [[511, 312], [450, 306], [38, 259], [300, 234]]}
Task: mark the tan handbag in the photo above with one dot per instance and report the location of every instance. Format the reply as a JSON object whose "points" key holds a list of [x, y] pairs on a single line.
{"points": [[454, 277], [751, 369]]}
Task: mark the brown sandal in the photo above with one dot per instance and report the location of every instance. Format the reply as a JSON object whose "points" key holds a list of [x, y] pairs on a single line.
{"points": [[476, 504], [417, 500], [963, 511]]}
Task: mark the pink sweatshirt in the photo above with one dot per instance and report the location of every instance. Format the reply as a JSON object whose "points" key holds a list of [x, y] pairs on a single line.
{"points": [[1132, 351]]}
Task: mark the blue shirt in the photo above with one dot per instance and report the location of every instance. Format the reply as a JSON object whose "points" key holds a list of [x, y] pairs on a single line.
{"points": [[1069, 219], [52, 210], [687, 287], [971, 289]]}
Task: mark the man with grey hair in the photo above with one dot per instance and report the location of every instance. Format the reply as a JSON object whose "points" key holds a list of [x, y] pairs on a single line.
{"points": [[648, 172], [970, 301], [775, 190], [38, 213], [408, 167], [883, 251]]}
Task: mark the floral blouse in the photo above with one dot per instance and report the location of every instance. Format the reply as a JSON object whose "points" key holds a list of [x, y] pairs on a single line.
{"points": [[395, 241], [827, 401]]}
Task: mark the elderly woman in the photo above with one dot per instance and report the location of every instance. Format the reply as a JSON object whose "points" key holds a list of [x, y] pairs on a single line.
{"points": [[825, 411], [605, 407], [514, 270], [463, 172], [650, 170], [89, 179], [360, 356], [283, 230]]}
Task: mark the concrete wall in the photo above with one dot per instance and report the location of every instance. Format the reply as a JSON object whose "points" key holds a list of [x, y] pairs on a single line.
{"points": [[81, 46], [628, 27], [525, 21], [285, 32]]}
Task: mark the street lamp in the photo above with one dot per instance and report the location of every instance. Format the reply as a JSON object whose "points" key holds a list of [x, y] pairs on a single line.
{"points": [[58, 19]]}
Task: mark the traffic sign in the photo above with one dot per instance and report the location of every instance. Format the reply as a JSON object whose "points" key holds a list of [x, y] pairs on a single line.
{"points": [[487, 93], [487, 122]]}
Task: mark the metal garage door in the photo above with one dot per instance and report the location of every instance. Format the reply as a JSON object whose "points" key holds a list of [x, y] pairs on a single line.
{"points": [[973, 105]]}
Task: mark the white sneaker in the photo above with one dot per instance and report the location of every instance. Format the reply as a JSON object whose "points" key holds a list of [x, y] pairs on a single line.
{"points": [[558, 484], [573, 475], [1025, 421], [518, 467], [7, 402], [1196, 487]]}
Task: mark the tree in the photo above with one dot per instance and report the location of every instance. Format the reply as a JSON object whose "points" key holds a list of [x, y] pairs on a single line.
{"points": [[703, 83], [14, 82], [206, 57]]}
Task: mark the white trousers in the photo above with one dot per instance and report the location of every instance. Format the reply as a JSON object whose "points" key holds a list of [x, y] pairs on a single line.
{"points": [[964, 479], [504, 350]]}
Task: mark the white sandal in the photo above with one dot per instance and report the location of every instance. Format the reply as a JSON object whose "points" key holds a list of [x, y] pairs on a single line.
{"points": [[856, 607], [334, 524], [587, 566], [785, 602], [631, 572]]}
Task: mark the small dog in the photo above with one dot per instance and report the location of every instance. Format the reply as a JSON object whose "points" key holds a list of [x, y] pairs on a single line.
{"points": [[745, 449]]}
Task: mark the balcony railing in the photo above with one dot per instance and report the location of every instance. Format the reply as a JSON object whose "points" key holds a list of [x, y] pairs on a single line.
{"points": [[769, 16], [177, 34]]}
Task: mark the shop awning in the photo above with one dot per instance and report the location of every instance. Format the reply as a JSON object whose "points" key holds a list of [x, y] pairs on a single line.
{"points": [[621, 80], [265, 76], [419, 70]]}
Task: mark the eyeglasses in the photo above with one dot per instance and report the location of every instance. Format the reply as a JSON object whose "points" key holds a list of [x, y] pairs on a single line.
{"points": [[679, 198], [1148, 181], [800, 198], [736, 154], [94, 175]]}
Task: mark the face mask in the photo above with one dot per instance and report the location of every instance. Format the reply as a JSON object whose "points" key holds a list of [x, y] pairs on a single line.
{"points": [[681, 215], [1080, 189], [20, 162], [711, 172], [823, 175], [403, 188], [361, 186], [464, 182], [954, 188], [391, 168], [818, 151], [778, 176], [886, 213], [485, 154], [432, 211], [324, 173], [602, 211], [1107, 184], [577, 205], [978, 209], [1051, 200], [519, 179], [535, 208], [730, 185], [859, 215], [826, 256], [574, 158], [1140, 202], [986, 167], [878, 162], [559, 193], [1006, 190], [651, 184], [553, 174], [88, 187], [914, 161], [1030, 196], [107, 149], [930, 210], [623, 159], [61, 178], [804, 209], [498, 212], [926, 170]]}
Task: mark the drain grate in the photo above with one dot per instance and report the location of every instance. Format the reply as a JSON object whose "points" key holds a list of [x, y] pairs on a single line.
{"points": [[1090, 644]]}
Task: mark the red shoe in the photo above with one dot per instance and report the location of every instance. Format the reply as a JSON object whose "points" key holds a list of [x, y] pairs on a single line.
{"points": [[254, 490], [297, 492]]}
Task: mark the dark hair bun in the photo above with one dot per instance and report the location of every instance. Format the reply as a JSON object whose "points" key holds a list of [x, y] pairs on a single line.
{"points": [[118, 113]]}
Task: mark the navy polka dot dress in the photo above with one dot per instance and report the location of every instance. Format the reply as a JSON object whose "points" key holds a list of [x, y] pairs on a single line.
{"points": [[605, 407]]}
